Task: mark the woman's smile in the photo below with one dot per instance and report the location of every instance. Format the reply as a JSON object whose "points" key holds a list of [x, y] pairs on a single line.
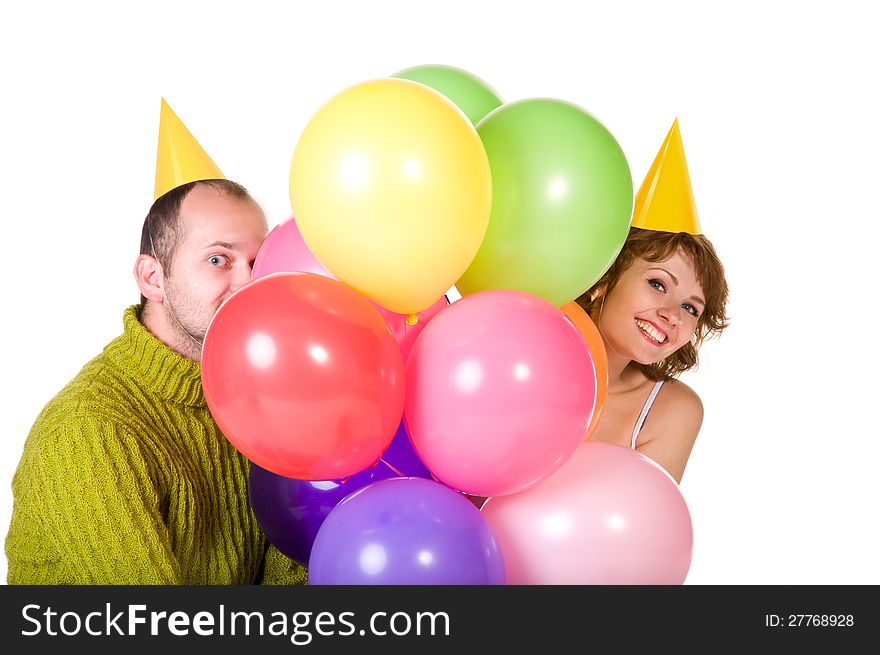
{"points": [[651, 332]]}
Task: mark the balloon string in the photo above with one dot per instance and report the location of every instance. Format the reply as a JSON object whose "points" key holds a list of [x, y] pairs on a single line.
{"points": [[392, 468]]}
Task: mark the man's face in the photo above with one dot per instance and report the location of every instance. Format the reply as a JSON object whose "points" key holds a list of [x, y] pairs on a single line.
{"points": [[220, 239]]}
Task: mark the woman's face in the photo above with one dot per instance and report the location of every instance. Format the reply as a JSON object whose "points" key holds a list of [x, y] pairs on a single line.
{"points": [[653, 309]]}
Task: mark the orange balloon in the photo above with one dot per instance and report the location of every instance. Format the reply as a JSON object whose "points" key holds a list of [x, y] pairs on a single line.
{"points": [[593, 337]]}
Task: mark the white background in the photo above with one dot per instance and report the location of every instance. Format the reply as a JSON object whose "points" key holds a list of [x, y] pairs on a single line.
{"points": [[779, 117]]}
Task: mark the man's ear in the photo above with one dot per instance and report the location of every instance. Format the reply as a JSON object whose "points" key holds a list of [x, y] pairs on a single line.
{"points": [[150, 278]]}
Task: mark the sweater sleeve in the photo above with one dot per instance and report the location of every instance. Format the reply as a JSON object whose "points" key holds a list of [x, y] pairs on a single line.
{"points": [[92, 491], [279, 569]]}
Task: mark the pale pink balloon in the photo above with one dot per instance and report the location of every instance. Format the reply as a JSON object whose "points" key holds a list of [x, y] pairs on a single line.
{"points": [[609, 516], [500, 389], [285, 251]]}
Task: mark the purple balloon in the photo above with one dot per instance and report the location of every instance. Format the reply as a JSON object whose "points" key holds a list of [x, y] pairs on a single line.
{"points": [[402, 457], [290, 511], [406, 531]]}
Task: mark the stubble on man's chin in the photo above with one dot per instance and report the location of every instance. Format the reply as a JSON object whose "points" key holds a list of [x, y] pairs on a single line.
{"points": [[187, 344], [187, 339]]}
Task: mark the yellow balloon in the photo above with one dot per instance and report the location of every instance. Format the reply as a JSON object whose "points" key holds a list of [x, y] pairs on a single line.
{"points": [[391, 190]]}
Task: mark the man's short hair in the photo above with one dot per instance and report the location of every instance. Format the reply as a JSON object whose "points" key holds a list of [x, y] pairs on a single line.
{"points": [[162, 234]]}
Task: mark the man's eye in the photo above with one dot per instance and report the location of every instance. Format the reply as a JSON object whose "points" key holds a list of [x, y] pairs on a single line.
{"points": [[657, 284], [217, 260]]}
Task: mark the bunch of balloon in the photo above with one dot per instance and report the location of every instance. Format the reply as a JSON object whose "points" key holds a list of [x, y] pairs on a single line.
{"points": [[347, 379], [391, 189], [303, 366], [306, 380], [290, 510]]}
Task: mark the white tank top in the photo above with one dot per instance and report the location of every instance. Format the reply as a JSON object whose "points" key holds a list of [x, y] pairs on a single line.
{"points": [[647, 408]]}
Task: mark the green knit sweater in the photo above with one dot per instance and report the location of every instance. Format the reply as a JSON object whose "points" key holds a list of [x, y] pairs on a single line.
{"points": [[126, 479]]}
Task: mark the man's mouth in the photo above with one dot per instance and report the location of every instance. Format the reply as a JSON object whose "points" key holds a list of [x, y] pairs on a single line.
{"points": [[653, 334]]}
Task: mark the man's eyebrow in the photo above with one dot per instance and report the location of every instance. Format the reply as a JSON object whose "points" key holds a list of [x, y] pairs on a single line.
{"points": [[222, 244], [675, 279]]}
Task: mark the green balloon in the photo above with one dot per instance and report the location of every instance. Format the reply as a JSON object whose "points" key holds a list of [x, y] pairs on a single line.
{"points": [[562, 198], [468, 92]]}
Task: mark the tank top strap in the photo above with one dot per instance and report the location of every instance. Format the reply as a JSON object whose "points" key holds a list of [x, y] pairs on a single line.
{"points": [[647, 408]]}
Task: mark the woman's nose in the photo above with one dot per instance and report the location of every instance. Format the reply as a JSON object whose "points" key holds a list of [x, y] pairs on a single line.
{"points": [[672, 314]]}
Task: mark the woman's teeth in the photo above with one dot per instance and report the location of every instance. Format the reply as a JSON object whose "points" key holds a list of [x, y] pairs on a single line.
{"points": [[648, 329]]}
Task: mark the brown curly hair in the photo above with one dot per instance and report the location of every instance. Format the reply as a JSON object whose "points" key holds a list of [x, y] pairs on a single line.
{"points": [[654, 246]]}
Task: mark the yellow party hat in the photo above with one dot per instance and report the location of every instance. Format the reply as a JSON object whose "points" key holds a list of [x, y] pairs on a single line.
{"points": [[665, 201], [180, 159]]}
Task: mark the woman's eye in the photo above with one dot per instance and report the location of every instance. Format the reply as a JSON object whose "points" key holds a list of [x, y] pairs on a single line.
{"points": [[217, 260], [657, 284], [690, 309]]}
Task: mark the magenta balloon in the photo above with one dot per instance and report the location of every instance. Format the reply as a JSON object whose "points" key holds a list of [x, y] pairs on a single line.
{"points": [[500, 390], [610, 515], [284, 251], [406, 329]]}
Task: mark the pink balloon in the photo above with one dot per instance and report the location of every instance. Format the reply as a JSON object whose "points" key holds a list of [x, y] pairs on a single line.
{"points": [[285, 251], [500, 389], [609, 516]]}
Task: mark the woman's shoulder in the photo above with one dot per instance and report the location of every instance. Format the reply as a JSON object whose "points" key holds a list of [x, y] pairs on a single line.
{"points": [[681, 393], [679, 404], [672, 427]]}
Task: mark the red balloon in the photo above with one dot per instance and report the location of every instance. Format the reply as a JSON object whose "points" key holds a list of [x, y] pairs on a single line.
{"points": [[303, 376]]}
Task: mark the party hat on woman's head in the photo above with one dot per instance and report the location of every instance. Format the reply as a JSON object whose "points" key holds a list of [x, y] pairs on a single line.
{"points": [[665, 201], [180, 159]]}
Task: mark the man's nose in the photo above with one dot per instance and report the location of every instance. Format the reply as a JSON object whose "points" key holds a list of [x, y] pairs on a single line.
{"points": [[240, 276]]}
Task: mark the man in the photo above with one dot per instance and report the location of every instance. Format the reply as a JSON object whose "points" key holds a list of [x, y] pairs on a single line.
{"points": [[207, 235], [125, 477]]}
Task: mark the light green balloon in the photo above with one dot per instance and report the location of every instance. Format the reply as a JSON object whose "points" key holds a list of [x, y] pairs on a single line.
{"points": [[562, 198], [467, 91]]}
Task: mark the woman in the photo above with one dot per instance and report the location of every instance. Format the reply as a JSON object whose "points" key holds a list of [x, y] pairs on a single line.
{"points": [[662, 297]]}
